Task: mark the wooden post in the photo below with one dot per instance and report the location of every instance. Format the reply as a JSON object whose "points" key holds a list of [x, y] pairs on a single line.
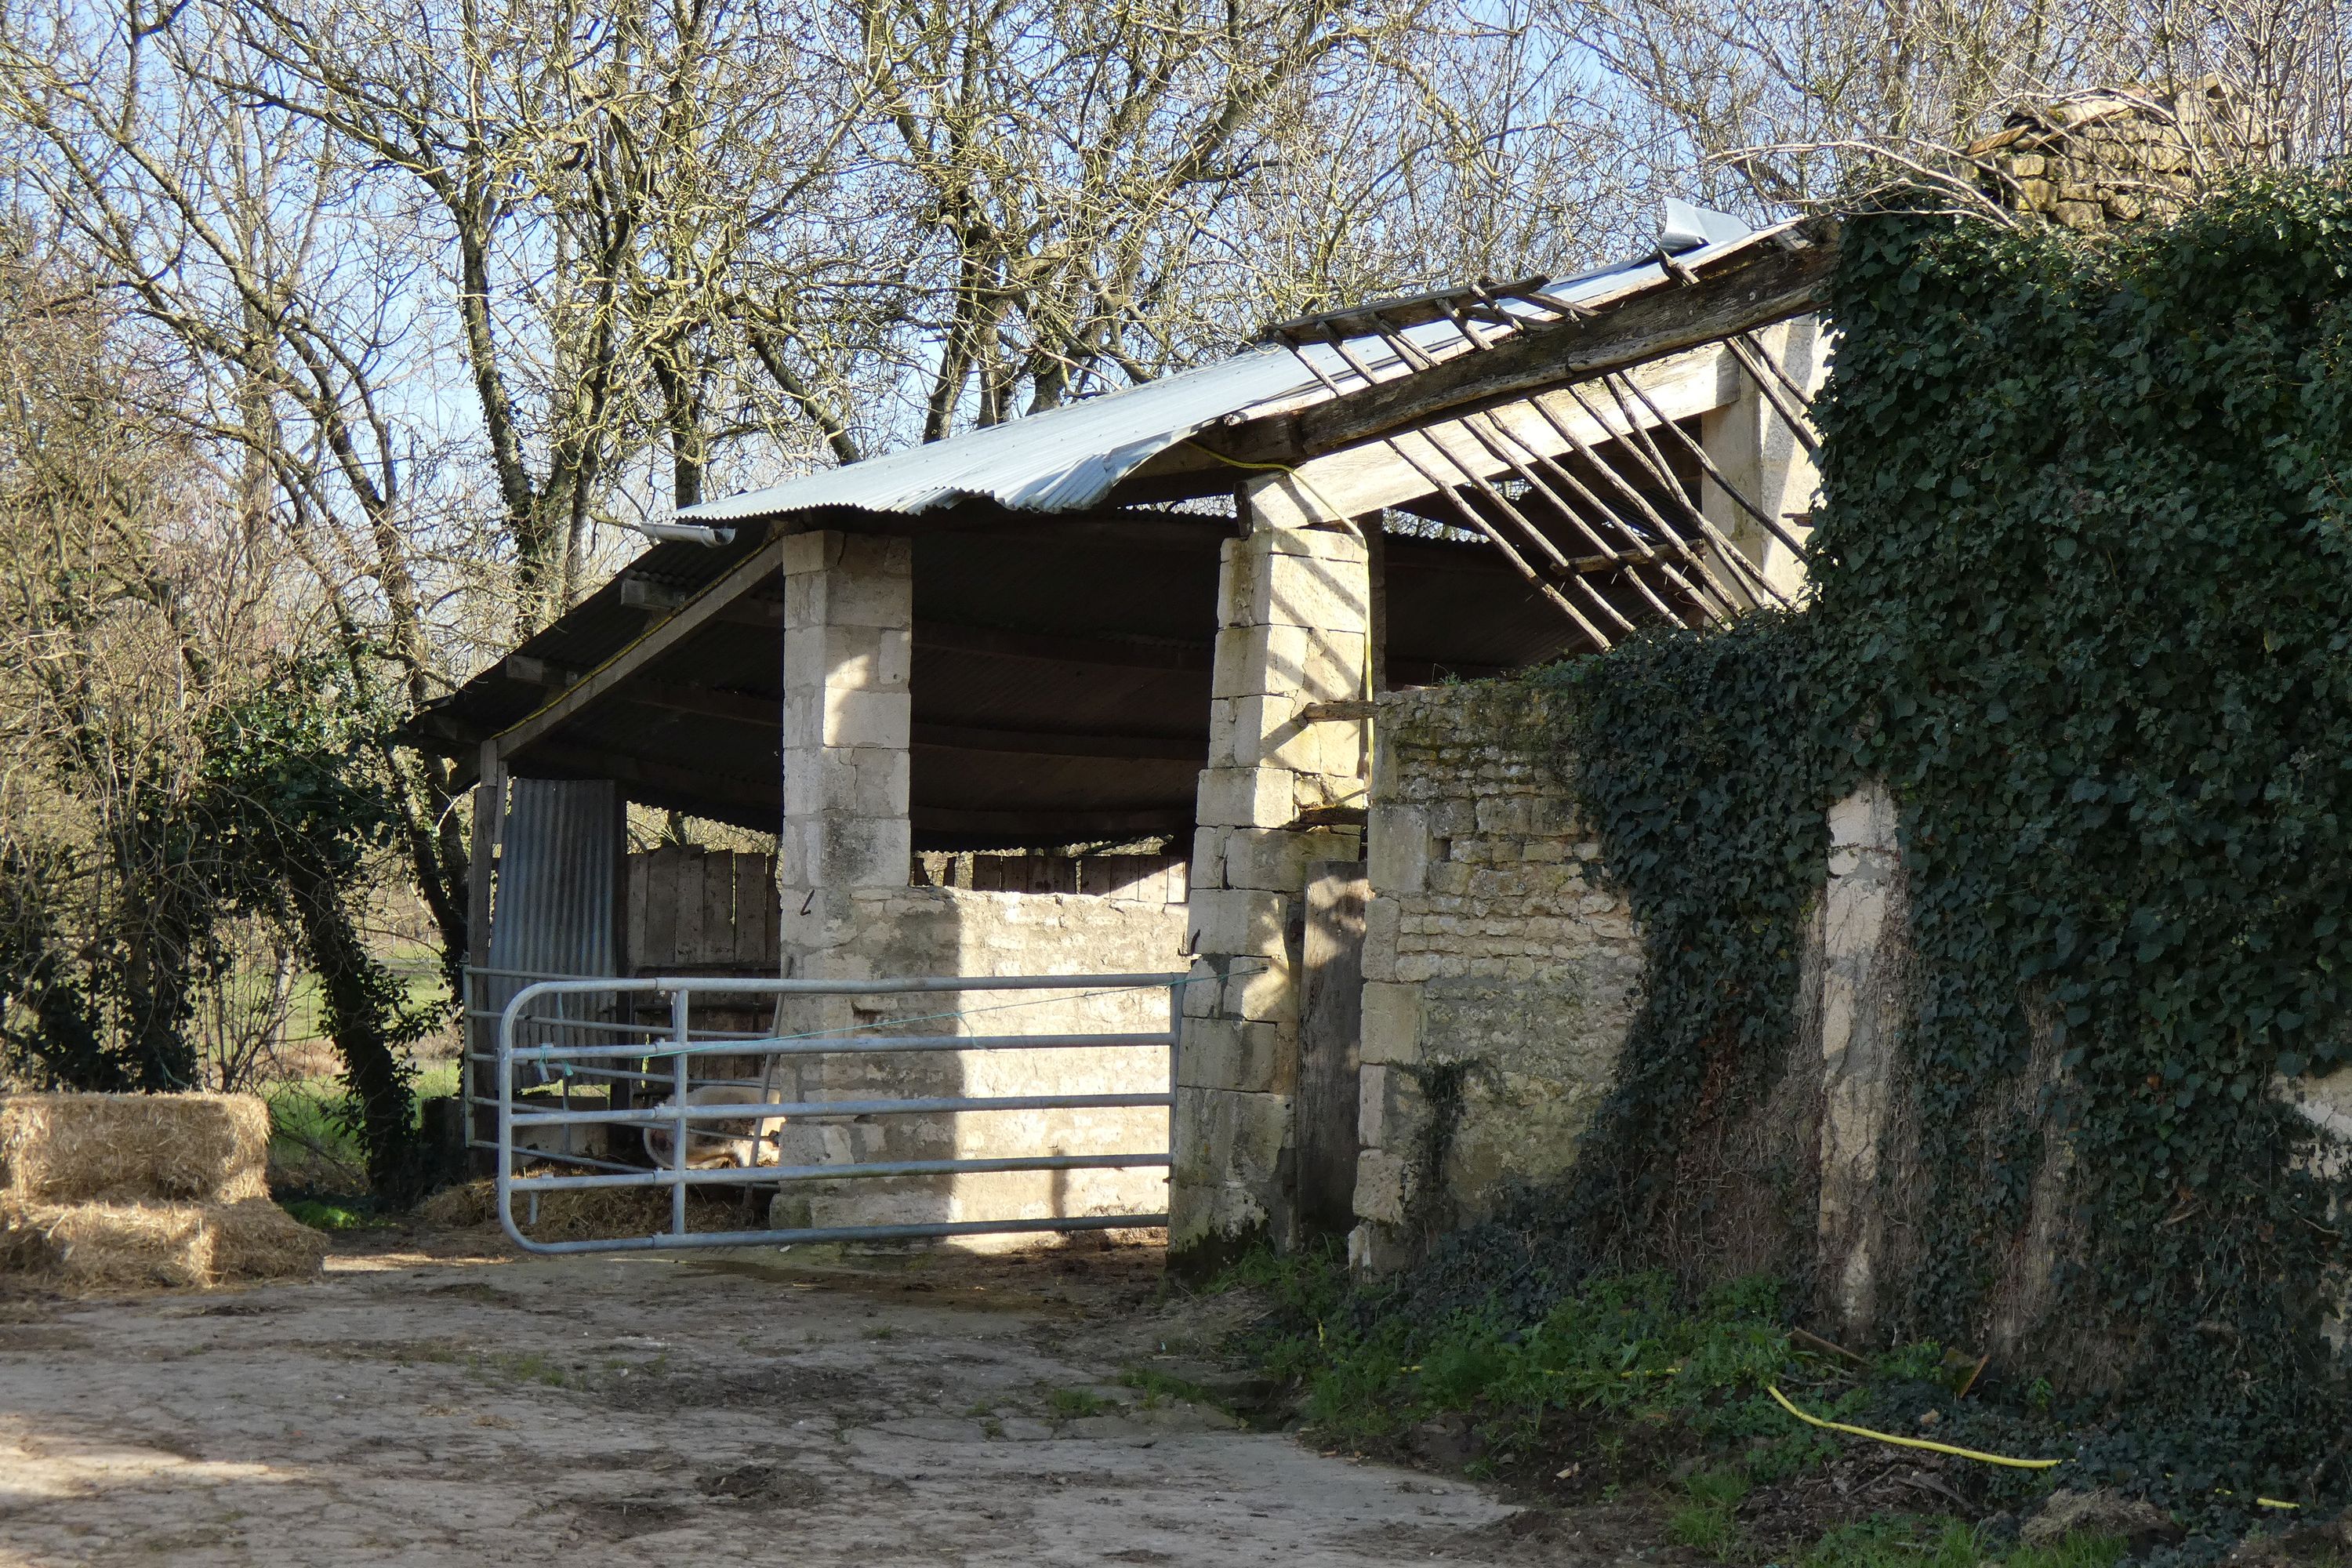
{"points": [[1330, 1020], [622, 1093], [480, 1035]]}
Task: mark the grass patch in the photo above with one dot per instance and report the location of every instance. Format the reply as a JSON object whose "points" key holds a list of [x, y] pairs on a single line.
{"points": [[1705, 1521], [313, 1148], [1611, 1386], [1890, 1541], [326, 1216], [1071, 1403], [531, 1367], [1621, 1353], [1703, 1527], [2073, 1551], [1608, 1387], [1159, 1388]]}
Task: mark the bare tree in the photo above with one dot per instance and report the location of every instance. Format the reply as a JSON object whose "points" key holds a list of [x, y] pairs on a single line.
{"points": [[460, 282], [1768, 103], [125, 608]]}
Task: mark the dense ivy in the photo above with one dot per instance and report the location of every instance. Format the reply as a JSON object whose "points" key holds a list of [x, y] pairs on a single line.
{"points": [[296, 802], [2083, 599], [1693, 754]]}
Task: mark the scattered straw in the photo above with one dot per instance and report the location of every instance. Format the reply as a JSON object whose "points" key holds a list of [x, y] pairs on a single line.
{"points": [[131, 1148]]}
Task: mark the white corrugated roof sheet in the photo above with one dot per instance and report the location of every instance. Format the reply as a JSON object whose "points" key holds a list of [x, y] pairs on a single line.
{"points": [[1068, 459]]}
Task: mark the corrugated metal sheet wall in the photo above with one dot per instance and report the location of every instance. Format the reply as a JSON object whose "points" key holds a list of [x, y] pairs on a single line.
{"points": [[554, 912]]}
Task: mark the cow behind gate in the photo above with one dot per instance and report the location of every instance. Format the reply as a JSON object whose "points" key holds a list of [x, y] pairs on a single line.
{"points": [[718, 1144]]}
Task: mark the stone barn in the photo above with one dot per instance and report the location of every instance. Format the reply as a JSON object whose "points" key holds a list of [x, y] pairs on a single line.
{"points": [[1100, 689]]}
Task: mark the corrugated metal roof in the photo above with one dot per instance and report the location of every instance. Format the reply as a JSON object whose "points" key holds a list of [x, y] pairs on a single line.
{"points": [[1068, 459]]}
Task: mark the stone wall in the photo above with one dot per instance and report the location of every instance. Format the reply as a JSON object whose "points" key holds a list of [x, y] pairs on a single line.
{"points": [[917, 931], [1500, 973], [1503, 974], [2089, 159], [849, 910]]}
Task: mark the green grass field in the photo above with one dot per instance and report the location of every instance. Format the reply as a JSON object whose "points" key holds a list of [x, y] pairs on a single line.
{"points": [[310, 1149]]}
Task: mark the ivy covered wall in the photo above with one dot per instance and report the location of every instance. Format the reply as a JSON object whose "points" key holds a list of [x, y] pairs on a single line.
{"points": [[2083, 603]]}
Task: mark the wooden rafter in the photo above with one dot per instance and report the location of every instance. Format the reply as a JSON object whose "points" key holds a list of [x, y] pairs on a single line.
{"points": [[699, 612], [1754, 287]]}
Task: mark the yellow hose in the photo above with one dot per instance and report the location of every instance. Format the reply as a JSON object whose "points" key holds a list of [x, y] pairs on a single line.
{"points": [[1317, 496], [1782, 1400]]}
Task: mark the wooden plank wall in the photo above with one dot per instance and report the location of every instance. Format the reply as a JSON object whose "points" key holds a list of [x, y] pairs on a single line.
{"points": [[708, 911], [1147, 879], [701, 911]]}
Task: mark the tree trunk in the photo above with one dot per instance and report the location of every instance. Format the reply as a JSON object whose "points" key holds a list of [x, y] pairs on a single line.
{"points": [[363, 1016]]}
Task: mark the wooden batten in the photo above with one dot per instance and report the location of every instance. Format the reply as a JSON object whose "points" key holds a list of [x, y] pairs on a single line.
{"points": [[1362, 480]]}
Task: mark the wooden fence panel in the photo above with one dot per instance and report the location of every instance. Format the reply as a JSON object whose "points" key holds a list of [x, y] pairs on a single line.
{"points": [[694, 911]]}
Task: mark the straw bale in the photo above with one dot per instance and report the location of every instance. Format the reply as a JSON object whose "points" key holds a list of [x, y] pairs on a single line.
{"points": [[98, 1245], [255, 1239], [101, 1246], [129, 1148]]}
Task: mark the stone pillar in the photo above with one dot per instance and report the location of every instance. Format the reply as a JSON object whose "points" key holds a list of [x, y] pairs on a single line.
{"points": [[1865, 940], [849, 614], [843, 867], [1293, 609], [1752, 445]]}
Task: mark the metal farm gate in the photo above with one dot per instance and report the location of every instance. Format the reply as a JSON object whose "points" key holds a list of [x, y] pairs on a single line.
{"points": [[580, 1059]]}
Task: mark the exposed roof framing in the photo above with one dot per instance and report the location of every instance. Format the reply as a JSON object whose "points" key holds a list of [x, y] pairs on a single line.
{"points": [[1064, 615], [1766, 278]]}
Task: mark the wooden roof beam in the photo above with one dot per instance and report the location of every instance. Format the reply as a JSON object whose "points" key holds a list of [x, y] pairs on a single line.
{"points": [[1121, 653], [658, 783], [1055, 826], [1392, 471], [701, 611]]}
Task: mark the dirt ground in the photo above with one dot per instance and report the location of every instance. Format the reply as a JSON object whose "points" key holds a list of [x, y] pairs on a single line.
{"points": [[436, 1400]]}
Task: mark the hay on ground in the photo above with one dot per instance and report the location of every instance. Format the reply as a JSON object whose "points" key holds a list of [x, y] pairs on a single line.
{"points": [[134, 1148], [124, 1246], [590, 1214]]}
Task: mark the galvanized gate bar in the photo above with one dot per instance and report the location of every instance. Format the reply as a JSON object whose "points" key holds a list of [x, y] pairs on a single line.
{"points": [[680, 1044], [755, 1175], [677, 1241], [818, 1046], [744, 1111]]}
